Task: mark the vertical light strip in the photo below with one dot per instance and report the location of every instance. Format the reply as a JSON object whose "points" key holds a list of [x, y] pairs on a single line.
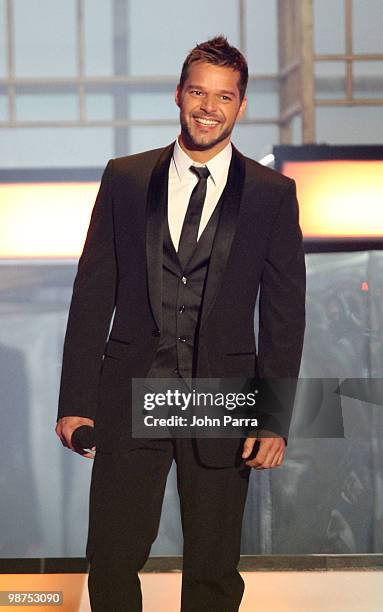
{"points": [[307, 71], [285, 133], [121, 24], [349, 48], [242, 26], [242, 31], [81, 59], [10, 38]]}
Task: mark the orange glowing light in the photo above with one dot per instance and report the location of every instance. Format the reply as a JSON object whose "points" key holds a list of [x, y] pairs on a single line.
{"points": [[44, 219], [339, 198]]}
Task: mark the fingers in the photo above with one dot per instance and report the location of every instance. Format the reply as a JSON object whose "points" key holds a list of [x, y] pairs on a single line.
{"points": [[59, 432], [64, 430], [270, 454], [277, 460], [280, 457], [66, 434], [86, 454], [248, 446]]}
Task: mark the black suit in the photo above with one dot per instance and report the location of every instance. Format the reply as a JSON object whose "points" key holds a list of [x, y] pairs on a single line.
{"points": [[258, 243]]}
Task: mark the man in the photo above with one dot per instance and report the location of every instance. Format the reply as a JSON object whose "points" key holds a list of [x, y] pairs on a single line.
{"points": [[180, 241]]}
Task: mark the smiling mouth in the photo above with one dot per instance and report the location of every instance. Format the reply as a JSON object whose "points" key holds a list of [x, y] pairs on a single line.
{"points": [[206, 122]]}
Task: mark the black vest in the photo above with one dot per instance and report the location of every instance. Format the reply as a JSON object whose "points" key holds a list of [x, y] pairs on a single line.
{"points": [[182, 295]]}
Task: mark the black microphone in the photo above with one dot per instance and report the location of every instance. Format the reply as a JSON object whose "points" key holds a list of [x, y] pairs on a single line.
{"points": [[83, 437]]}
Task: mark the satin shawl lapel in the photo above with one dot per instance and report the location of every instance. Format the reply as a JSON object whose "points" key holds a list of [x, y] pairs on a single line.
{"points": [[225, 231], [155, 218]]}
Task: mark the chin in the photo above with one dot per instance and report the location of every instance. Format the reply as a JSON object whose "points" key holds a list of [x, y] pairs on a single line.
{"points": [[202, 143]]}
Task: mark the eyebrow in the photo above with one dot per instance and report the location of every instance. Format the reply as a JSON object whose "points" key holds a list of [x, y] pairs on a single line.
{"points": [[221, 91]]}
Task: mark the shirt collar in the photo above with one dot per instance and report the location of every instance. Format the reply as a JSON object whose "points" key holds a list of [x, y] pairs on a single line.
{"points": [[218, 165]]}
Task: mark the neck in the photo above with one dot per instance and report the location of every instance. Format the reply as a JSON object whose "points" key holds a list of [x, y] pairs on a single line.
{"points": [[203, 155]]}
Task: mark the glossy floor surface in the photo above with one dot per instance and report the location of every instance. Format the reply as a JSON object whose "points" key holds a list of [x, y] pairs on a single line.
{"points": [[315, 591]]}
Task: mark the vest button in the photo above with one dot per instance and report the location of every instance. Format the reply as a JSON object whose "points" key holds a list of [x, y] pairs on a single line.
{"points": [[181, 309], [156, 332], [184, 280], [182, 339]]}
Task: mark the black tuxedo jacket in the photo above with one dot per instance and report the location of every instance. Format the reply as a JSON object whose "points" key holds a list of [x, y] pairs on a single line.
{"points": [[257, 245]]}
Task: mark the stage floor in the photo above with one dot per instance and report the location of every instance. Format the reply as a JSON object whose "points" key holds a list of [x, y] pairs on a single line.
{"points": [[280, 591]]}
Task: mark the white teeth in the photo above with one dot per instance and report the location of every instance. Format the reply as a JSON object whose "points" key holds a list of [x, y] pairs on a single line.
{"points": [[206, 121]]}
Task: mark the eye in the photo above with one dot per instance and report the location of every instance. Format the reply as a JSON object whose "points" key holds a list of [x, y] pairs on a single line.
{"points": [[225, 98], [196, 92]]}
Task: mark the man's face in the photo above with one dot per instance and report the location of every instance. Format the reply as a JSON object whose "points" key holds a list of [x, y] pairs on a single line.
{"points": [[209, 105]]}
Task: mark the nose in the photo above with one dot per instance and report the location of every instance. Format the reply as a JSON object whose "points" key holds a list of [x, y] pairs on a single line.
{"points": [[209, 104]]}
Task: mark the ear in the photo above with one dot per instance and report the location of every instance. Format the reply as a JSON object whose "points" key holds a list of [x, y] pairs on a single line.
{"points": [[177, 96], [242, 108]]}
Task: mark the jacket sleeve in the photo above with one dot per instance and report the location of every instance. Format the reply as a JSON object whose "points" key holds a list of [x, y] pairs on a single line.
{"points": [[281, 317], [91, 309]]}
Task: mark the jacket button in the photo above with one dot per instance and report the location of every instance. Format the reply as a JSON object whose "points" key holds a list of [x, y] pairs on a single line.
{"points": [[156, 332], [184, 280], [182, 339], [181, 309]]}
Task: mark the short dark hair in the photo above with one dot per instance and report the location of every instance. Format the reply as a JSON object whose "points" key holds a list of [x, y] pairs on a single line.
{"points": [[219, 52]]}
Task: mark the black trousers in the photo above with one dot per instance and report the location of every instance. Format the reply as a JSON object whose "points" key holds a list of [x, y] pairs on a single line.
{"points": [[127, 490]]}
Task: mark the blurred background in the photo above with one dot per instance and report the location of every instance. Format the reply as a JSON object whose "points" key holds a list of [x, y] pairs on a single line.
{"points": [[85, 80]]}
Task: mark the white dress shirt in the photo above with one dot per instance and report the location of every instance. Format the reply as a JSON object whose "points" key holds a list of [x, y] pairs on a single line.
{"points": [[182, 182]]}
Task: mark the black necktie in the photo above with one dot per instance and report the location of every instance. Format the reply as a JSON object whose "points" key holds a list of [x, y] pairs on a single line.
{"points": [[189, 233]]}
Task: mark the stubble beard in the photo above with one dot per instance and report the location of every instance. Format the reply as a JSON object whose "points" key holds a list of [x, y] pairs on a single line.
{"points": [[199, 145]]}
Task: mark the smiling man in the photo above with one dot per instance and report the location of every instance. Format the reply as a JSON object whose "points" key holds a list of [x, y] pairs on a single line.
{"points": [[180, 241], [211, 98]]}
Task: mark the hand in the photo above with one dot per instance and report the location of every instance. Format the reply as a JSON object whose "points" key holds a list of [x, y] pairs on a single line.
{"points": [[270, 454], [65, 428]]}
